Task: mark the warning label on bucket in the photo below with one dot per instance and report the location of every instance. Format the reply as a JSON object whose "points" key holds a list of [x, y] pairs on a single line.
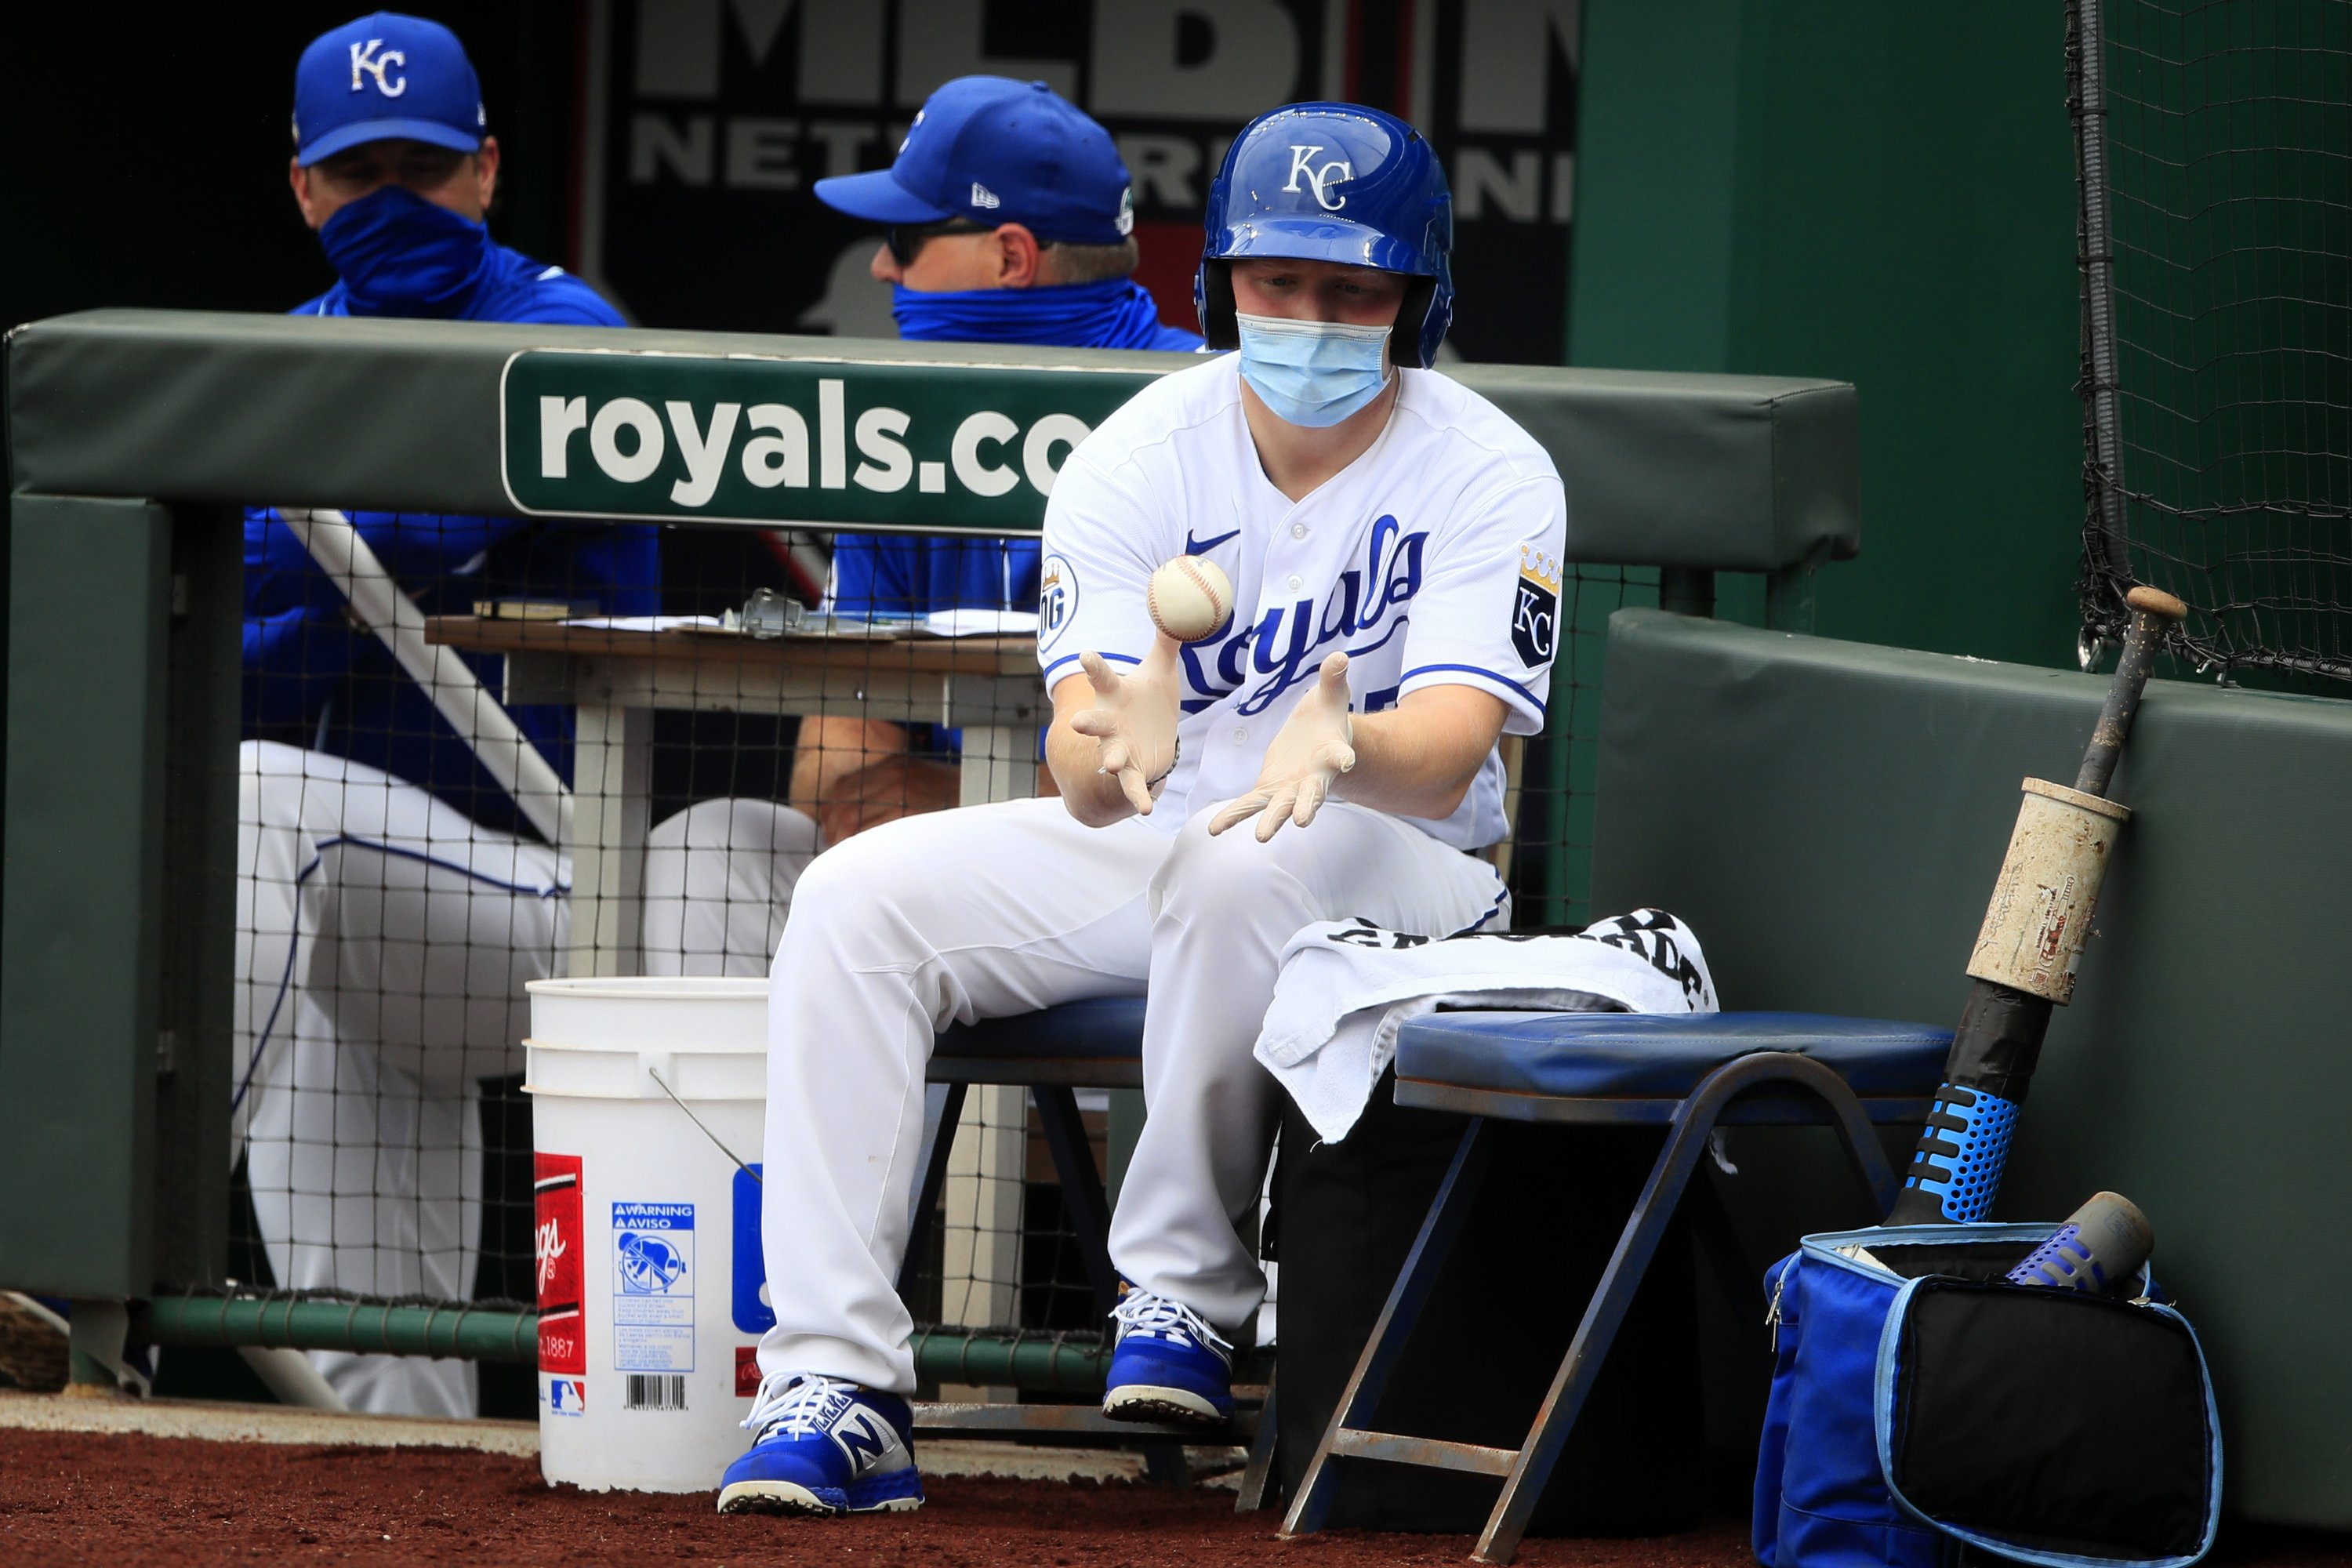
{"points": [[653, 1287]]}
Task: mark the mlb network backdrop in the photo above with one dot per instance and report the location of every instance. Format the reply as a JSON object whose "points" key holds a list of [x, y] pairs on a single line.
{"points": [[708, 121]]}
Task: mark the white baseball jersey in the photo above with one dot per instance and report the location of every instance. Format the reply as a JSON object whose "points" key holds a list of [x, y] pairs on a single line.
{"points": [[1432, 560]]}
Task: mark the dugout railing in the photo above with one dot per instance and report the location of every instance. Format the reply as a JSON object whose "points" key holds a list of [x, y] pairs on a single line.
{"points": [[135, 437]]}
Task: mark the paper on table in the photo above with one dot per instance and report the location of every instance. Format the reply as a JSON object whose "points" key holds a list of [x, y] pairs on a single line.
{"points": [[980, 623], [643, 623]]}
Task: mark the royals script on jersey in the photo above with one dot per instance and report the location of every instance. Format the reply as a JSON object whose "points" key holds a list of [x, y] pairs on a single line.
{"points": [[1432, 560]]}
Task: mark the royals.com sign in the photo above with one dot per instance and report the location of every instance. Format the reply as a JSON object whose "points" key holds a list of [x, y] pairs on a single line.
{"points": [[934, 447]]}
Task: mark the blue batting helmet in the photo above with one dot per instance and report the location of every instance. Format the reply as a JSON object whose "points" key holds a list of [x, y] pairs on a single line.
{"points": [[1333, 182]]}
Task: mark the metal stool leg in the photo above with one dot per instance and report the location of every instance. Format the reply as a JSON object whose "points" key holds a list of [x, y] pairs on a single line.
{"points": [[1735, 1275], [1082, 1187], [935, 1177], [1860, 1140], [1382, 1350], [1523, 1489], [1089, 1212], [1164, 1466], [1261, 1457]]}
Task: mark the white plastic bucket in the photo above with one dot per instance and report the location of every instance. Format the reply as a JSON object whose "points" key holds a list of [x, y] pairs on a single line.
{"points": [[651, 1292]]}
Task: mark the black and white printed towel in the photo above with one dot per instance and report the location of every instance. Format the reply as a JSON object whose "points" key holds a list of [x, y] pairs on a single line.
{"points": [[1347, 986]]}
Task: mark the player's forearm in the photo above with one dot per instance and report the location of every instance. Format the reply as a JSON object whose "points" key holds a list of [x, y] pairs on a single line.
{"points": [[1419, 759]]}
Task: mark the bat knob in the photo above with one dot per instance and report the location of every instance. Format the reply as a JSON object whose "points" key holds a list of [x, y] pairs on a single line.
{"points": [[2158, 603]]}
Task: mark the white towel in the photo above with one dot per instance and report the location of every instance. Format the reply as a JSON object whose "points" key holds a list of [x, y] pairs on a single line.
{"points": [[1348, 986]]}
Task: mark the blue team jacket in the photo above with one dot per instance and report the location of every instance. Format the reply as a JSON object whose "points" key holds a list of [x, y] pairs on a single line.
{"points": [[313, 679]]}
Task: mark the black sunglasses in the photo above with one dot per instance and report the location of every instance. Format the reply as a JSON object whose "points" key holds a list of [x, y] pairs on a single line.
{"points": [[905, 240]]}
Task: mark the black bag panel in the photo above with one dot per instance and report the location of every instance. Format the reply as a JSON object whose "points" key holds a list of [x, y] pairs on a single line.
{"points": [[2058, 1421], [1491, 1338]]}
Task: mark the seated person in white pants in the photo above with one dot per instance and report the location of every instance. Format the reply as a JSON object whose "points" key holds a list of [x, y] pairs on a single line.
{"points": [[1393, 541], [391, 904]]}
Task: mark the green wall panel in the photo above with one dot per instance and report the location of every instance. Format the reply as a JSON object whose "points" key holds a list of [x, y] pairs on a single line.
{"points": [[81, 941], [1878, 194]]}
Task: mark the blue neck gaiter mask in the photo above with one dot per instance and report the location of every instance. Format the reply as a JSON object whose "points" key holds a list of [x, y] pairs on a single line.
{"points": [[399, 255], [1115, 313], [1314, 373]]}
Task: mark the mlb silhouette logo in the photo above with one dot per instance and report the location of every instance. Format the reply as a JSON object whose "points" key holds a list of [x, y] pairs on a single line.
{"points": [[567, 1396], [650, 1265]]}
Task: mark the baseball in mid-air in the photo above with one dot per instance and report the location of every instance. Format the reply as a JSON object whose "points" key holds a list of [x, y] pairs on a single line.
{"points": [[1191, 598]]}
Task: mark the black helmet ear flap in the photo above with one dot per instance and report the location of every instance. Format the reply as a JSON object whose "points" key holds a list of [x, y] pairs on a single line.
{"points": [[1217, 324], [1413, 314]]}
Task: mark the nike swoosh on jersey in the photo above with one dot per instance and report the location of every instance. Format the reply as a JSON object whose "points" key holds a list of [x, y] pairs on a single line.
{"points": [[1202, 547]]}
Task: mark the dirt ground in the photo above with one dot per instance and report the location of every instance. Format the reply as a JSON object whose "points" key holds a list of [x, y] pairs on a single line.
{"points": [[126, 1501]]}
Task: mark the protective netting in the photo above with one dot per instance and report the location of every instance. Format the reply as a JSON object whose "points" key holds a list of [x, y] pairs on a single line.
{"points": [[2216, 140], [396, 893]]}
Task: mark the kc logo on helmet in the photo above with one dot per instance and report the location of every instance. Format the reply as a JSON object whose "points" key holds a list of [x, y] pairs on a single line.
{"points": [[1320, 177], [365, 57]]}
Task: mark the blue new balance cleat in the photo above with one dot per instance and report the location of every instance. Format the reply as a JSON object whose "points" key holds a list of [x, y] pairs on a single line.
{"points": [[1169, 1365], [824, 1447]]}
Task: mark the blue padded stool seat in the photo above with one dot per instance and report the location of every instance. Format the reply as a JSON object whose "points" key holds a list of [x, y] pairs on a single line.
{"points": [[1619, 1056], [1094, 1043]]}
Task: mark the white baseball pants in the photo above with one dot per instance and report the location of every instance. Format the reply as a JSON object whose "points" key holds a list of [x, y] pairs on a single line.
{"points": [[996, 911], [384, 941]]}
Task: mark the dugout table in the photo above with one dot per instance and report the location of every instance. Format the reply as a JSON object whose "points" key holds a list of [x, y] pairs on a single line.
{"points": [[616, 679]]}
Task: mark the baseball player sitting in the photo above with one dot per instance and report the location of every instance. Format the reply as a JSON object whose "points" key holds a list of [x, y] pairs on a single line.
{"points": [[1006, 219], [1331, 754], [390, 907]]}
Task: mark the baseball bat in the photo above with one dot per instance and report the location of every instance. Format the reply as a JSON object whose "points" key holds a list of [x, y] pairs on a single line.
{"points": [[2024, 959], [2104, 1240]]}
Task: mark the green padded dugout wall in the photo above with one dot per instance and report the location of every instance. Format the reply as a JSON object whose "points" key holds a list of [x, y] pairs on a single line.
{"points": [[1829, 816], [1736, 472]]}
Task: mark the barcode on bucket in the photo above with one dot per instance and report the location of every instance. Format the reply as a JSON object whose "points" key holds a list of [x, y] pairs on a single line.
{"points": [[647, 1392]]}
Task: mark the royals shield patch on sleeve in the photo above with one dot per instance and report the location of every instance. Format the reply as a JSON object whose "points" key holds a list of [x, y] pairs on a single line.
{"points": [[1535, 616]]}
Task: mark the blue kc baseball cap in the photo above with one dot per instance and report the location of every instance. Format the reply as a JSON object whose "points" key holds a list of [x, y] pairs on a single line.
{"points": [[994, 150], [382, 77]]}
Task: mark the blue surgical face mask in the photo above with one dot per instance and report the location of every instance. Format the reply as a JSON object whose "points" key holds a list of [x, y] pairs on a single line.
{"points": [[1314, 373], [400, 254]]}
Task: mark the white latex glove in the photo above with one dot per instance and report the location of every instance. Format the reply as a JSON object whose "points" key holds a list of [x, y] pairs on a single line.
{"points": [[1316, 745], [1134, 722]]}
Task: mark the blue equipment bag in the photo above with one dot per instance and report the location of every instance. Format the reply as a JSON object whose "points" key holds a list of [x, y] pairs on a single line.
{"points": [[1919, 1402]]}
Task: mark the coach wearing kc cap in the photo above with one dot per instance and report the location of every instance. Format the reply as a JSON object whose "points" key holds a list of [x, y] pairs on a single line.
{"points": [[1007, 218], [391, 903]]}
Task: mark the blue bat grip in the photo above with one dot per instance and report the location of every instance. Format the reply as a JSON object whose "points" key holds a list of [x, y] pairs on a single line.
{"points": [[1961, 1155]]}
